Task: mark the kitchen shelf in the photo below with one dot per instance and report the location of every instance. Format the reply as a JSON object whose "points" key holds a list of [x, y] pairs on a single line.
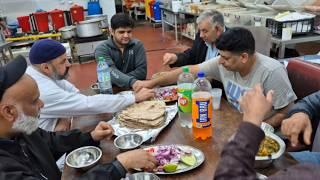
{"points": [[188, 36]]}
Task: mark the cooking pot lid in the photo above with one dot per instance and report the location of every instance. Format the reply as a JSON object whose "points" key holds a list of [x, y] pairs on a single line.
{"points": [[90, 21], [67, 28], [104, 16]]}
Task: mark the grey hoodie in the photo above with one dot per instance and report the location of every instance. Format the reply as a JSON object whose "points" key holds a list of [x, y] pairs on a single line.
{"points": [[126, 68]]}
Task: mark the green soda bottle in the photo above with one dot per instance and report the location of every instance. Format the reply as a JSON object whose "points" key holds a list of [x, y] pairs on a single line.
{"points": [[185, 86]]}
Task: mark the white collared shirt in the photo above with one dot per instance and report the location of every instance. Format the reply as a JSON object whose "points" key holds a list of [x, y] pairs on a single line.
{"points": [[62, 99]]}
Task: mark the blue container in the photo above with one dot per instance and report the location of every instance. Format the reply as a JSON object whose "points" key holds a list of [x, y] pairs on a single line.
{"points": [[94, 8], [156, 11]]}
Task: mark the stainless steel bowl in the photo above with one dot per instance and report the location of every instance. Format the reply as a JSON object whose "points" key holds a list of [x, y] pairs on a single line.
{"points": [[265, 161], [261, 164], [95, 88], [142, 176], [128, 141], [84, 158]]}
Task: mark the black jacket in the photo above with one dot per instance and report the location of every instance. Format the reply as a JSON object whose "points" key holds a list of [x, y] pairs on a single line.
{"points": [[194, 55], [34, 156]]}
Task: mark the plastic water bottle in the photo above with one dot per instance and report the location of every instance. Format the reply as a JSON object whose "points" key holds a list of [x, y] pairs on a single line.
{"points": [[104, 78], [185, 83], [201, 108]]}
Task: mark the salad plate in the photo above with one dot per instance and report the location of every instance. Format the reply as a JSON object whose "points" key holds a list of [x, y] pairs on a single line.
{"points": [[167, 93], [176, 158]]}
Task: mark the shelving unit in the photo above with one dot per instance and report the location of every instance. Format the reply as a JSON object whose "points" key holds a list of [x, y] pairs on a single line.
{"points": [[186, 18], [188, 36], [166, 13], [153, 21]]}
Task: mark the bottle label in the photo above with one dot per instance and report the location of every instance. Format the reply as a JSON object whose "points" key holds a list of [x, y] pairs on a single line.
{"points": [[103, 77], [185, 100], [202, 112]]}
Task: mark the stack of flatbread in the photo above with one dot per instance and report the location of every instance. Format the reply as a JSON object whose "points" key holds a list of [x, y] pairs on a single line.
{"points": [[144, 115]]}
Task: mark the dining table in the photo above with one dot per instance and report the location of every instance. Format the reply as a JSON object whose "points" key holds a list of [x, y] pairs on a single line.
{"points": [[226, 121]]}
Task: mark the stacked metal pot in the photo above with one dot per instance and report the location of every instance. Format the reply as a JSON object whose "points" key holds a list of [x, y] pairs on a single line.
{"points": [[91, 27]]}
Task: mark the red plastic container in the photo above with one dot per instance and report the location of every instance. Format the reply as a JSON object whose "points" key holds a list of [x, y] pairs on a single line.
{"points": [[24, 23], [57, 17], [42, 21], [77, 13], [151, 3]]}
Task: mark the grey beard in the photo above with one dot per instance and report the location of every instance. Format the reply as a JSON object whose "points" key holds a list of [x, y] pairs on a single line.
{"points": [[25, 124], [56, 76]]}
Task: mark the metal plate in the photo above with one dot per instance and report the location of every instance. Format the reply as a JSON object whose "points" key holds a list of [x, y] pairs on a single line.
{"points": [[261, 176], [196, 152], [274, 155], [148, 135]]}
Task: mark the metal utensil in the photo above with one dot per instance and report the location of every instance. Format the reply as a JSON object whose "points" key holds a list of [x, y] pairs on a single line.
{"points": [[89, 28], [84, 158], [143, 176], [128, 141], [67, 32]]}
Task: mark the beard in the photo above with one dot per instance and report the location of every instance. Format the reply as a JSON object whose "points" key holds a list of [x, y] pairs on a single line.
{"points": [[25, 124], [57, 76]]}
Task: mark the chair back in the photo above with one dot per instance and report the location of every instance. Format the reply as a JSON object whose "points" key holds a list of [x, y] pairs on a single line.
{"points": [[304, 77]]}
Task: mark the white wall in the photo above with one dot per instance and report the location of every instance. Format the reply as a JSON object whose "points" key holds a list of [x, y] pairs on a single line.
{"points": [[108, 7], [14, 8]]}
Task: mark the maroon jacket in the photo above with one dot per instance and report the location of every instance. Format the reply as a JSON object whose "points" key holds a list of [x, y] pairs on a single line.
{"points": [[237, 159]]}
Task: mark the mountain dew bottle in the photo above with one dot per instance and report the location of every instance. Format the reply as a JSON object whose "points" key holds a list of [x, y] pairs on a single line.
{"points": [[185, 86]]}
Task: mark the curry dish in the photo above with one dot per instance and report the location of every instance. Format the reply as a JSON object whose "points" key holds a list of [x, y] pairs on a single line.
{"points": [[268, 146]]}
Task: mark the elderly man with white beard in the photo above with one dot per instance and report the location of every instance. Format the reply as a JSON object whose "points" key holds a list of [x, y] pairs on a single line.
{"points": [[28, 152]]}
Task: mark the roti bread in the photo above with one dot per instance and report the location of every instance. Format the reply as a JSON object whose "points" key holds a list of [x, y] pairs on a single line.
{"points": [[144, 115]]}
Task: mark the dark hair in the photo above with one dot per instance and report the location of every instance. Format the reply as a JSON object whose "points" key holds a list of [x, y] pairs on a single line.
{"points": [[121, 20], [236, 40]]}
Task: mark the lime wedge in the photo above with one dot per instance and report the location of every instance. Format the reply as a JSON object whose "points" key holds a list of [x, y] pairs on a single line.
{"points": [[189, 160], [170, 167]]}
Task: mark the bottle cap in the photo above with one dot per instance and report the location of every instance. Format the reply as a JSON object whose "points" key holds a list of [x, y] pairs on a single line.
{"points": [[200, 74], [185, 69]]}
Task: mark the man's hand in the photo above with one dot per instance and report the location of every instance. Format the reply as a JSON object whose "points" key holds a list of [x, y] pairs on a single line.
{"points": [[103, 130], [63, 124], [138, 85], [137, 159], [296, 124], [144, 94], [169, 58], [255, 105]]}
